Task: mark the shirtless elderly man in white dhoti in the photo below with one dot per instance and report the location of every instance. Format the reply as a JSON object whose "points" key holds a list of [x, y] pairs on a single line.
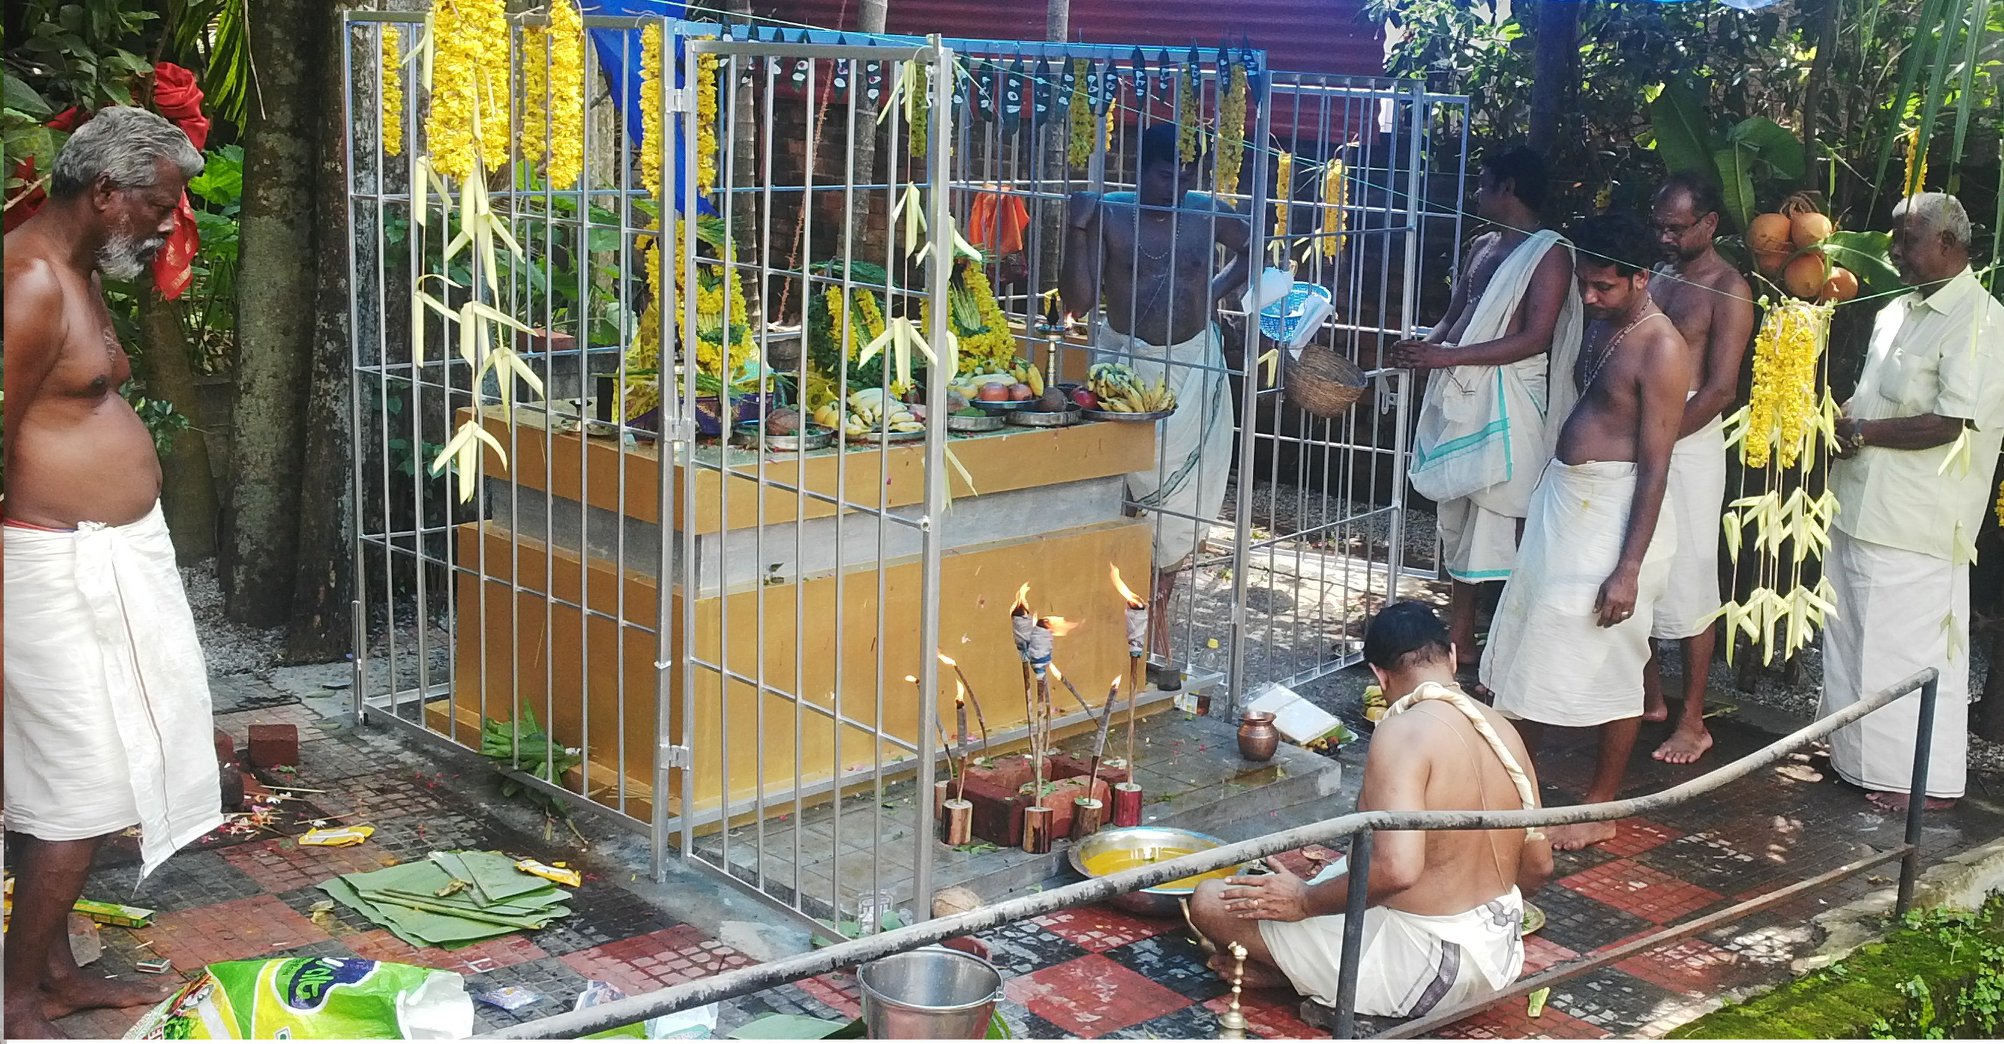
{"points": [[1482, 438], [107, 697], [1712, 306], [1444, 924], [1571, 635], [1153, 254], [1920, 439]]}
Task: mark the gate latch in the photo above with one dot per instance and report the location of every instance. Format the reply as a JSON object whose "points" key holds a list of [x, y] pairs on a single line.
{"points": [[674, 755]]}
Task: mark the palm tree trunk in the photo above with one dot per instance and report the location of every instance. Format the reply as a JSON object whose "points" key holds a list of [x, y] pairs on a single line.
{"points": [[188, 492], [1555, 69]]}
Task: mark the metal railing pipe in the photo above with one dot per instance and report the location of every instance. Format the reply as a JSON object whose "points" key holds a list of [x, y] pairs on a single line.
{"points": [[743, 981]]}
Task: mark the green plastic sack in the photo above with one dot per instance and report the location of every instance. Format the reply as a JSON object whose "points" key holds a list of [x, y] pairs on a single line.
{"points": [[313, 998]]}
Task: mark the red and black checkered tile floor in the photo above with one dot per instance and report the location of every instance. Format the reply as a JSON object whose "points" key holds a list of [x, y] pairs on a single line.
{"points": [[1084, 973]]}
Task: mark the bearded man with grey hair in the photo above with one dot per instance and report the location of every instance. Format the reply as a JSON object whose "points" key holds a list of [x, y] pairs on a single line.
{"points": [[107, 695], [1919, 440]]}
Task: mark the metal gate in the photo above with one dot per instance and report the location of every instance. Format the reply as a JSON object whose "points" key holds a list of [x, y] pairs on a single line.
{"points": [[651, 602]]}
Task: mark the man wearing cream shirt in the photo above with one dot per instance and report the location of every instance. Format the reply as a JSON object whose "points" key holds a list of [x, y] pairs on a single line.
{"points": [[1919, 441]]}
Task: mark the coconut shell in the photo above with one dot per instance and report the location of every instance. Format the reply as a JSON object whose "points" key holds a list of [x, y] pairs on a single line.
{"points": [[1808, 229], [1804, 276], [782, 422], [1768, 233], [1840, 285]]}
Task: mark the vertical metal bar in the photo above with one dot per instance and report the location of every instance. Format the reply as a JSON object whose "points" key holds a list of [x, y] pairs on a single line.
{"points": [[359, 622], [940, 145], [1917, 793], [1235, 669], [682, 445], [1353, 935], [1408, 319]]}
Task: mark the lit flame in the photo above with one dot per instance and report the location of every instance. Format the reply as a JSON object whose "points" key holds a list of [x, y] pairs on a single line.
{"points": [[1022, 606], [1057, 625], [959, 694], [947, 661], [1115, 686], [913, 678], [1057, 674], [1133, 600]]}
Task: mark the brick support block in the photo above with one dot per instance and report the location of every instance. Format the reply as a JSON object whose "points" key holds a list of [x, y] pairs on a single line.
{"points": [[274, 745]]}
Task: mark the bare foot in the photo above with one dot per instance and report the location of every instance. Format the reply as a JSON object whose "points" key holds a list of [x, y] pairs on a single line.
{"points": [[1888, 801], [1257, 976], [1574, 836], [1656, 710], [83, 993], [1685, 746], [25, 1021]]}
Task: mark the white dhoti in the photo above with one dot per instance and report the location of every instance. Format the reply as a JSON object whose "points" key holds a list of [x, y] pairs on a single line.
{"points": [[1410, 964], [1548, 660], [1482, 436], [1186, 488], [107, 694], [1897, 612], [1697, 493]]}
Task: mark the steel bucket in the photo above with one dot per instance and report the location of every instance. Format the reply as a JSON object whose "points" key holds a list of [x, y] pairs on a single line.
{"points": [[931, 993]]}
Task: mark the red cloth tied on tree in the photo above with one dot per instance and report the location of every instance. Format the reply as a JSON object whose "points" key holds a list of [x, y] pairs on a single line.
{"points": [[176, 97]]}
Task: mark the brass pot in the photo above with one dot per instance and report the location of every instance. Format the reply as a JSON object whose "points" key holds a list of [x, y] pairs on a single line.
{"points": [[1257, 737]]}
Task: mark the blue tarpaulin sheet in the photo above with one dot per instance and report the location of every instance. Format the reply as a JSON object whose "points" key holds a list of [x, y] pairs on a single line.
{"points": [[619, 58]]}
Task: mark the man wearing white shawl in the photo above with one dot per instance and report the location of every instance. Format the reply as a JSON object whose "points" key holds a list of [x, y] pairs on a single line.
{"points": [[1154, 253], [107, 698], [1571, 635], [1919, 441], [1483, 435], [1444, 920]]}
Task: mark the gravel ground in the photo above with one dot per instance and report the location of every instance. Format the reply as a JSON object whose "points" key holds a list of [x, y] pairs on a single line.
{"points": [[231, 648]]}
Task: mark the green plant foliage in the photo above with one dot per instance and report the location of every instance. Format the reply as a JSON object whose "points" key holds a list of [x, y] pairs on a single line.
{"points": [[525, 746]]}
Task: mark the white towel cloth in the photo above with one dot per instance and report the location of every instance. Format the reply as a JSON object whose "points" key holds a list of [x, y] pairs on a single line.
{"points": [[1410, 964], [1897, 612], [1186, 488], [107, 694], [1482, 434], [1548, 660], [1697, 488]]}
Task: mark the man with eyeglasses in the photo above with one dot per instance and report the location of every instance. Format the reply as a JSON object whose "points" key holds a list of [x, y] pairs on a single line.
{"points": [[1709, 301]]}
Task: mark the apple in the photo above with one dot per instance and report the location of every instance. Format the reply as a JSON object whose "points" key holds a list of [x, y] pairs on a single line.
{"points": [[993, 391], [1021, 393], [1086, 399]]}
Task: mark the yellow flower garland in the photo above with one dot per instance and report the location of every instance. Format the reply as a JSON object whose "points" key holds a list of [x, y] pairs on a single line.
{"points": [[706, 124], [1189, 132], [1079, 148], [1232, 133], [2000, 503], [553, 93], [393, 91], [1283, 190], [1335, 194], [1784, 403], [994, 346], [869, 318], [467, 126], [1916, 177], [921, 111], [651, 100]]}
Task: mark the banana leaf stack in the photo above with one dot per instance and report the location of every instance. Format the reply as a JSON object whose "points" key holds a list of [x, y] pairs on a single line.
{"points": [[452, 899]]}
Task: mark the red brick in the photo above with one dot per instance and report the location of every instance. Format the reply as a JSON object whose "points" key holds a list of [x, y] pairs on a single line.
{"points": [[508, 950], [233, 931], [1101, 928], [272, 745]]}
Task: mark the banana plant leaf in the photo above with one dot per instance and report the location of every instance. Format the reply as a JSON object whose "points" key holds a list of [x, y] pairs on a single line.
{"points": [[1864, 253]]}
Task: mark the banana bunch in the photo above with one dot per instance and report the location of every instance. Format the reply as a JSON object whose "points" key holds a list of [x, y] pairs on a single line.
{"points": [[866, 412], [1119, 390], [1374, 703]]}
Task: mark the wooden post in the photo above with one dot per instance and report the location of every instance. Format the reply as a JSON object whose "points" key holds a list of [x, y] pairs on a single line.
{"points": [[1037, 829]]}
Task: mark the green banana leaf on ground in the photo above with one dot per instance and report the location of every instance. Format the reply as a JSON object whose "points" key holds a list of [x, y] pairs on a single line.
{"points": [[452, 899]]}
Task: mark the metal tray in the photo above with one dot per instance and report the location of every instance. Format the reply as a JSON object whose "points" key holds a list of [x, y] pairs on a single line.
{"points": [[892, 436], [1108, 415], [966, 425], [1042, 419], [816, 436], [993, 406]]}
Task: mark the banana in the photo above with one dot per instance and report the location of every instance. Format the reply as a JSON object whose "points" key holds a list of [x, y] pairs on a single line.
{"points": [[1036, 381]]}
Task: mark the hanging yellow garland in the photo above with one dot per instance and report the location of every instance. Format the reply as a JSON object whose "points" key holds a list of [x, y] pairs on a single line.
{"points": [[467, 125], [995, 345], [393, 91], [1079, 149], [1232, 133], [2000, 503], [651, 104], [1783, 404], [706, 124], [1335, 196], [921, 109], [1916, 178], [1283, 190], [869, 318], [1189, 130], [553, 95]]}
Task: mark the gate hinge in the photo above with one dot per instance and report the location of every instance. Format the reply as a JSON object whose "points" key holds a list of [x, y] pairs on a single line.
{"points": [[674, 755], [682, 99]]}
